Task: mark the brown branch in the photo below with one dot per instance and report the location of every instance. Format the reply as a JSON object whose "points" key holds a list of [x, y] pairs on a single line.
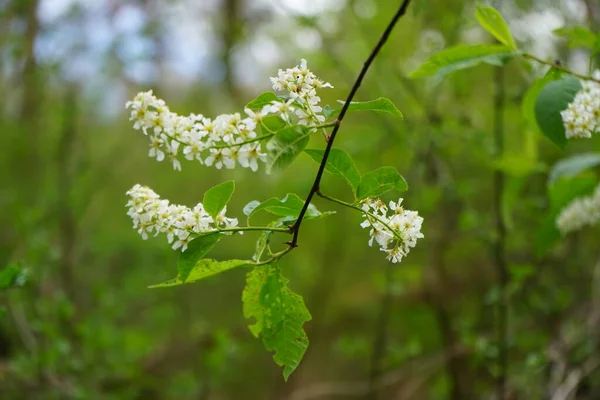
{"points": [[295, 229]]}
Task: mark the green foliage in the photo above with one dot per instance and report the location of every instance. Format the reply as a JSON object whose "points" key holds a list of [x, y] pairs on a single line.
{"points": [[461, 57], [339, 163], [382, 180], [561, 193], [552, 99], [11, 276], [203, 269], [493, 22], [285, 146], [572, 166], [279, 314], [216, 198], [380, 105], [272, 123], [262, 100], [531, 96], [289, 206], [579, 36], [197, 248]]}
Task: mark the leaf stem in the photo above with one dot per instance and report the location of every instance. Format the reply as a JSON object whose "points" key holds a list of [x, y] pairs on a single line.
{"points": [[556, 65], [338, 122], [254, 228], [355, 207]]}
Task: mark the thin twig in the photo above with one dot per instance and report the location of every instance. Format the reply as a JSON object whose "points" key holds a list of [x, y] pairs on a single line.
{"points": [[556, 65], [338, 122]]}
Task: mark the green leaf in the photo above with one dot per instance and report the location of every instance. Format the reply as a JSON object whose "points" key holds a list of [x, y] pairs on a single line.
{"points": [[338, 163], [217, 197], [255, 281], [203, 269], [554, 98], [262, 100], [461, 57], [381, 105], [561, 193], [528, 104], [271, 123], [197, 249], [12, 275], [289, 206], [280, 315], [572, 166], [380, 181], [578, 36], [493, 22], [285, 146]]}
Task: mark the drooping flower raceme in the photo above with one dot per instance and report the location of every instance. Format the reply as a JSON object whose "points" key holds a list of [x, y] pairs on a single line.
{"points": [[396, 233], [229, 139], [580, 212], [151, 214], [582, 117]]}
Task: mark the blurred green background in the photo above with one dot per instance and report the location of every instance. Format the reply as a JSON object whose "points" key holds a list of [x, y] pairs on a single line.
{"points": [[85, 326]]}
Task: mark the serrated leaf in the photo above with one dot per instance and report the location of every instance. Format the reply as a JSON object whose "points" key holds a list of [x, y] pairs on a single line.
{"points": [[461, 57], [285, 146], [262, 100], [380, 105], [578, 36], [217, 197], [252, 307], [572, 166], [561, 193], [280, 315], [493, 22], [380, 181], [203, 269], [339, 163], [552, 99], [196, 250]]}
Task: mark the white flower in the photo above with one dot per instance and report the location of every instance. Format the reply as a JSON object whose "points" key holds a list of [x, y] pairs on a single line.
{"points": [[181, 224], [249, 156], [199, 138], [580, 212], [581, 118], [395, 234]]}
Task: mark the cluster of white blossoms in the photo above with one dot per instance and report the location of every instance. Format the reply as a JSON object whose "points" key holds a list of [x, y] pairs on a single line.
{"points": [[229, 139], [582, 117], [151, 214], [579, 213], [395, 234]]}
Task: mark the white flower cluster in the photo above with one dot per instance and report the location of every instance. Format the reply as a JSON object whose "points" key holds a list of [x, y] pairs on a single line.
{"points": [[302, 85], [582, 117], [150, 214], [579, 213], [229, 139], [395, 234]]}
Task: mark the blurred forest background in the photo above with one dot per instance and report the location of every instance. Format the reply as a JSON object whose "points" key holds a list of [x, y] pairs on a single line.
{"points": [[84, 325]]}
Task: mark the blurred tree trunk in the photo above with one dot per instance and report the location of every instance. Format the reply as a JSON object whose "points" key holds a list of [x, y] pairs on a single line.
{"points": [[30, 103], [67, 227], [445, 220], [231, 27], [29, 109]]}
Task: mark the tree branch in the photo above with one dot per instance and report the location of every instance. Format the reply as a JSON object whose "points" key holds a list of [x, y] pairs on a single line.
{"points": [[338, 122]]}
